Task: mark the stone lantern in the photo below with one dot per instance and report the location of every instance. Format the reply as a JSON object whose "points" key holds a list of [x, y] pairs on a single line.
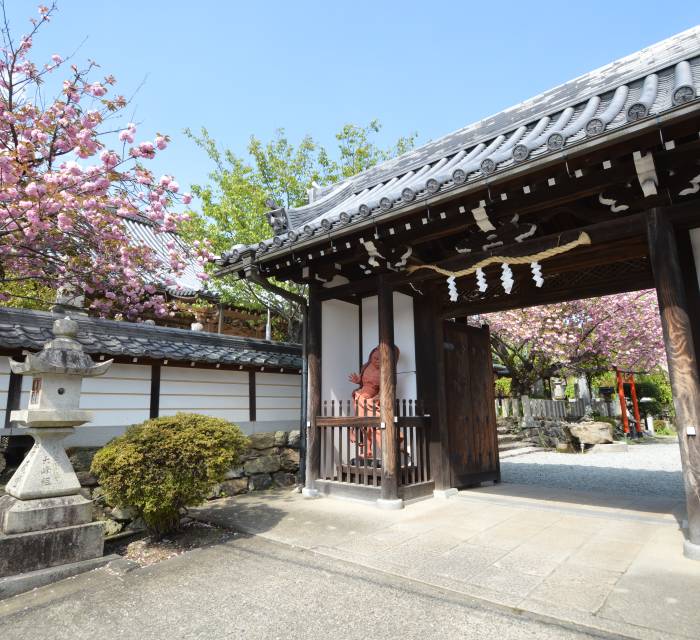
{"points": [[44, 521]]}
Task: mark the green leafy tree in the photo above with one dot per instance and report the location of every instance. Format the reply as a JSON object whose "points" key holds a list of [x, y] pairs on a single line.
{"points": [[240, 192]]}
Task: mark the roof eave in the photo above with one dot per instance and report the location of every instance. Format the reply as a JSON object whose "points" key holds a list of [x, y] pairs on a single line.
{"points": [[620, 134]]}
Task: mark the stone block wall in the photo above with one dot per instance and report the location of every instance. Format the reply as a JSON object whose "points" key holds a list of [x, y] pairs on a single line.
{"points": [[272, 460]]}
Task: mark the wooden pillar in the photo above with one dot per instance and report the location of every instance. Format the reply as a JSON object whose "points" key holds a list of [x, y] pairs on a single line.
{"points": [[430, 377], [387, 394], [313, 399], [252, 397], [682, 362], [154, 409], [14, 395]]}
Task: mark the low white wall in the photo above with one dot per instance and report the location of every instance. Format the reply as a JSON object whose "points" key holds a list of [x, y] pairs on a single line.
{"points": [[212, 392], [277, 400], [122, 397]]}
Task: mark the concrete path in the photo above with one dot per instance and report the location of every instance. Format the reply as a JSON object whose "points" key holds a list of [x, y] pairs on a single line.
{"points": [[617, 571], [251, 588]]}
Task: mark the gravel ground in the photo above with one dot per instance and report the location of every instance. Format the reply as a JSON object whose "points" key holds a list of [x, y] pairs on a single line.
{"points": [[650, 469]]}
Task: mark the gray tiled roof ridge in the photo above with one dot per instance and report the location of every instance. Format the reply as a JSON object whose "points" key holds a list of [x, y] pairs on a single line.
{"points": [[632, 75], [633, 87], [27, 329]]}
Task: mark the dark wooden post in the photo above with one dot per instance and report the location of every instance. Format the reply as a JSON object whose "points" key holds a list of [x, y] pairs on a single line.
{"points": [[430, 374], [14, 395], [313, 401], [387, 396], [682, 363], [252, 397], [154, 410]]}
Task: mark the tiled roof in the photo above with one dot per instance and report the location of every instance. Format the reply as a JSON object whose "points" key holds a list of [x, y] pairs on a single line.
{"points": [[187, 284], [640, 86], [26, 329]]}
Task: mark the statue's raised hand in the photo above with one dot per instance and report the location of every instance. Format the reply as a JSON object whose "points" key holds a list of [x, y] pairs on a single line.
{"points": [[355, 378]]}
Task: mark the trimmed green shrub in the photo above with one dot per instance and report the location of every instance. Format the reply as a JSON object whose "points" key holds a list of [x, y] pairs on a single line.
{"points": [[163, 465]]}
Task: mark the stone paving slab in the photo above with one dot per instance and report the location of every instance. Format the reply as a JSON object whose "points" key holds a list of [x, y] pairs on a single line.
{"points": [[595, 566], [250, 588]]}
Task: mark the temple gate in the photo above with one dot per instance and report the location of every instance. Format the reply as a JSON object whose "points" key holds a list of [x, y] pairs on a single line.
{"points": [[589, 189]]}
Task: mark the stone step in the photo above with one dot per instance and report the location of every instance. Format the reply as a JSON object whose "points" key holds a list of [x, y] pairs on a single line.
{"points": [[507, 437], [500, 430], [518, 452]]}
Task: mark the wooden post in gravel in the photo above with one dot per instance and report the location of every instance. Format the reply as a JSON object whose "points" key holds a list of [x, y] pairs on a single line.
{"points": [[682, 363]]}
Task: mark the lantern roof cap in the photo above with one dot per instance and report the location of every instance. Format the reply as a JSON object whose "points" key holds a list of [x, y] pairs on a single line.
{"points": [[64, 354]]}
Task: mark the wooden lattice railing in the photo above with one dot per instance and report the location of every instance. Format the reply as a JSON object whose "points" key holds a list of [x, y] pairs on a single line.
{"points": [[351, 444]]}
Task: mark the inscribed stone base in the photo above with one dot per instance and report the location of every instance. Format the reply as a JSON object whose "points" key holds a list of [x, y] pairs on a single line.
{"points": [[20, 552], [20, 516], [45, 471]]}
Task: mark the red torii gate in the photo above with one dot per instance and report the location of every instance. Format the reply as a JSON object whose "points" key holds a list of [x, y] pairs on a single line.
{"points": [[622, 377]]}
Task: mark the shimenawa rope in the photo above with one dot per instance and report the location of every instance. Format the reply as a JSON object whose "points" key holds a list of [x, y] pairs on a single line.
{"points": [[583, 239]]}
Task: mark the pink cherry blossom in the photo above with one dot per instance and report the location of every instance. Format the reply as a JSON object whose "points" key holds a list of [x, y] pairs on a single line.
{"points": [[583, 337], [65, 192]]}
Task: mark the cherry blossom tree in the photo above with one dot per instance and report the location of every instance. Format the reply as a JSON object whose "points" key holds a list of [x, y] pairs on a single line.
{"points": [[585, 337], [69, 176]]}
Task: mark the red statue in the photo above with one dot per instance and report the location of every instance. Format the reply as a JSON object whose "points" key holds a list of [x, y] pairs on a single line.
{"points": [[366, 398]]}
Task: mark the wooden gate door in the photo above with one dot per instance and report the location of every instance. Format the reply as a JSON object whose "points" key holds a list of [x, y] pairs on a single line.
{"points": [[471, 412]]}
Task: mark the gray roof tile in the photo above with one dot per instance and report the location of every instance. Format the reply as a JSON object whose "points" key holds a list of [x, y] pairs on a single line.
{"points": [[638, 86], [26, 329]]}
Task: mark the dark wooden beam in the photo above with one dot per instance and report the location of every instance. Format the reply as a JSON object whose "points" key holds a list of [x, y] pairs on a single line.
{"points": [[387, 392], [14, 395], [155, 391], [677, 323], [602, 233], [536, 297], [252, 401]]}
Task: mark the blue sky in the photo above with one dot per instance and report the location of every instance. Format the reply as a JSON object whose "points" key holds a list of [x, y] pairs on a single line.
{"points": [[310, 67]]}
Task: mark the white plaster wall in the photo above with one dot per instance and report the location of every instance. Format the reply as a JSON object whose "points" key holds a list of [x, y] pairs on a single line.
{"points": [[277, 400], [212, 392], [340, 346], [119, 398], [404, 338], [122, 397]]}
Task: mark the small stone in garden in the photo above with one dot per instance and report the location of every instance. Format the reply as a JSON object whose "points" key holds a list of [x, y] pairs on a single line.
{"points": [[123, 513], [262, 440], [111, 527], [264, 464], [259, 482], [214, 492]]}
